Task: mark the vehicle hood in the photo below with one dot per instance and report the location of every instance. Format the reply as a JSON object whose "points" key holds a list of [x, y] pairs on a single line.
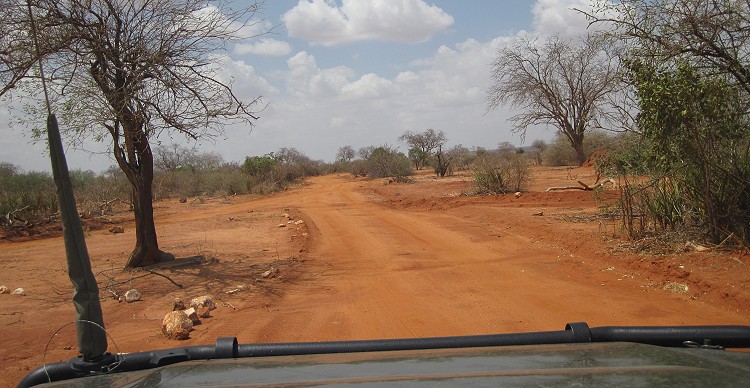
{"points": [[599, 364]]}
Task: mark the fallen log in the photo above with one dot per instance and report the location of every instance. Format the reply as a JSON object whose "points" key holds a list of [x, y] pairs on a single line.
{"points": [[584, 186]]}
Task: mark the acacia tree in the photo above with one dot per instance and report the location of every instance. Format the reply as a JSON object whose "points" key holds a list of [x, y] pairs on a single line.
{"points": [[422, 144], [444, 160], [539, 146], [562, 83], [689, 63], [174, 157], [345, 154], [126, 70], [696, 131]]}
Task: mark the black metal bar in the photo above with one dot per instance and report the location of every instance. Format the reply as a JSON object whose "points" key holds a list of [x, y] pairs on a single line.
{"points": [[578, 332]]}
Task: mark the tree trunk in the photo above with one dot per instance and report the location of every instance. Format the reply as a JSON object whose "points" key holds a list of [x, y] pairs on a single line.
{"points": [[580, 154], [140, 171], [146, 250]]}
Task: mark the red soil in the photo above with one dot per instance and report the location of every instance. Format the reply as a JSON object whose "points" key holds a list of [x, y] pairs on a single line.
{"points": [[371, 260]]}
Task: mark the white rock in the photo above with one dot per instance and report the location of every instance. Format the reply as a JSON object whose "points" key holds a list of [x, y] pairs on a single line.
{"points": [[270, 273], [19, 291], [176, 325], [4, 290], [132, 296], [203, 305], [237, 289], [193, 316]]}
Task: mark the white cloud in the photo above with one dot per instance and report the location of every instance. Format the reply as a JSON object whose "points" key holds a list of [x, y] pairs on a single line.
{"points": [[369, 86], [560, 17], [246, 83], [265, 46], [317, 108], [324, 22], [243, 29], [326, 108]]}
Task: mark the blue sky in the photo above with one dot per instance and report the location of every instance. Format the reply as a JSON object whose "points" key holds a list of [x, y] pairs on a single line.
{"points": [[359, 73]]}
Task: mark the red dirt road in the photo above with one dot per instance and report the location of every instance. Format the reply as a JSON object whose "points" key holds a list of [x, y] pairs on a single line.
{"points": [[371, 261]]}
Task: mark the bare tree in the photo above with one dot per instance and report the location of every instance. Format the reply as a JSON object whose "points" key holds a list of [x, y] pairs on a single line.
{"points": [[365, 152], [173, 157], [538, 146], [208, 161], [127, 70], [345, 154], [290, 155], [422, 144], [562, 83], [445, 161], [506, 148]]}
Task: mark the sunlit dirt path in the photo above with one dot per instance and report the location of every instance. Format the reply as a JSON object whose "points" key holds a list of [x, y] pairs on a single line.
{"points": [[369, 261], [377, 272]]}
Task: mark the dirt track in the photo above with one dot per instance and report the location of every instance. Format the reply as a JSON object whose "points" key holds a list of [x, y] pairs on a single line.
{"points": [[371, 261]]}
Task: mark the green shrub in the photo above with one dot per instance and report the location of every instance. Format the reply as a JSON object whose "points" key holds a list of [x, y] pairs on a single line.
{"points": [[387, 162], [32, 191], [258, 166], [695, 148]]}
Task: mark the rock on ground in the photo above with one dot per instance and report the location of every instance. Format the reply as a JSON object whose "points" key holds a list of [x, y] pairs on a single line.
{"points": [[176, 325], [178, 304], [203, 306], [132, 296], [193, 315], [271, 273]]}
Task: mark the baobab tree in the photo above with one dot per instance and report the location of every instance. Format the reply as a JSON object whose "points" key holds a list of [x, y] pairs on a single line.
{"points": [[126, 71], [566, 84]]}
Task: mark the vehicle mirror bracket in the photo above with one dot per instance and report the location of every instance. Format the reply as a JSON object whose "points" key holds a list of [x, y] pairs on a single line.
{"points": [[580, 330], [227, 347]]}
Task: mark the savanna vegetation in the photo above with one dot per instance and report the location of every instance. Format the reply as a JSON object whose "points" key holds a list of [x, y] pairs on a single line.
{"points": [[660, 90], [29, 197], [685, 63], [125, 72]]}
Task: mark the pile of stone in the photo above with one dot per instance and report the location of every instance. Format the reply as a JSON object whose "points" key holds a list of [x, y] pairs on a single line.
{"points": [[178, 323]]}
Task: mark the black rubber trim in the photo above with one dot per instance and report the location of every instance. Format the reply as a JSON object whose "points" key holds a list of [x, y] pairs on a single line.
{"points": [[576, 332]]}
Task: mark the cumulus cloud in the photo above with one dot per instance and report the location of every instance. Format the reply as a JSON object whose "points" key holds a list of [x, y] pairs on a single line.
{"points": [[559, 17], [338, 83], [324, 22], [452, 76], [246, 83], [317, 108], [327, 107], [369, 86], [306, 79], [213, 15], [265, 46]]}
